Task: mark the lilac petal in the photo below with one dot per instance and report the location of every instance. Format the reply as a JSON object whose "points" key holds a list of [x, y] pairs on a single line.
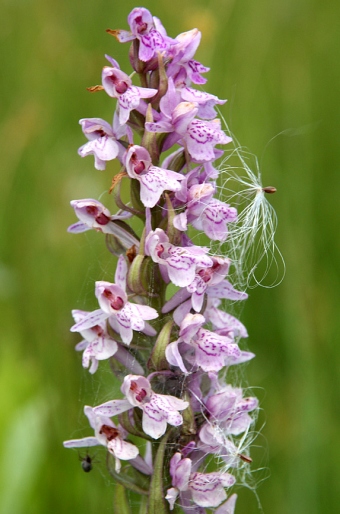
{"points": [[228, 507], [181, 311], [182, 475], [159, 126], [112, 61], [81, 346], [244, 357], [225, 290], [123, 235], [206, 102], [239, 425], [141, 464], [181, 221], [124, 36], [207, 490], [148, 44], [125, 332], [149, 331], [77, 228], [174, 357], [197, 300], [91, 416], [94, 128], [148, 454], [129, 361], [174, 461], [121, 272], [224, 322], [102, 348], [94, 365], [169, 403], [105, 148], [212, 351], [112, 408], [81, 443], [194, 71], [190, 326], [130, 100], [171, 496], [170, 100], [179, 297], [155, 428], [122, 449], [174, 418], [91, 320]]}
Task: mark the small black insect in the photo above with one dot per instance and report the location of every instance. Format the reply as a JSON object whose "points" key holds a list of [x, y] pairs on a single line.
{"points": [[86, 462]]}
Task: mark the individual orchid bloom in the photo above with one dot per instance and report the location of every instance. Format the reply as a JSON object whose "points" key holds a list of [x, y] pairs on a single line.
{"points": [[182, 58], [204, 278], [206, 213], [214, 219], [201, 137], [148, 30], [179, 263], [106, 434], [196, 185], [206, 489], [118, 84], [197, 197], [158, 409], [102, 138], [97, 344], [203, 348], [153, 180], [93, 215], [124, 317]]}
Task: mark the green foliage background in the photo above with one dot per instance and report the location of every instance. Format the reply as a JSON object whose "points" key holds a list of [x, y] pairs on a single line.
{"points": [[278, 65]]}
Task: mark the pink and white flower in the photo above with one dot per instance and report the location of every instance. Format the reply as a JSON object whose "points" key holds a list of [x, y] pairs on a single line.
{"points": [[158, 409], [205, 489], [124, 317], [107, 434], [153, 180]]}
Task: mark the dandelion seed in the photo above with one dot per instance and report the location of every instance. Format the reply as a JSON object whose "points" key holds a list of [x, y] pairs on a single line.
{"points": [[250, 244]]}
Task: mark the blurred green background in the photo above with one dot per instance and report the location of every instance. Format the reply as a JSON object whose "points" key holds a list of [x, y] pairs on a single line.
{"points": [[278, 65]]}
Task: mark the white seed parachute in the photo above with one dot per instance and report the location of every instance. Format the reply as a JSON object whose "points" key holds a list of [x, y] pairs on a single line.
{"points": [[250, 243]]}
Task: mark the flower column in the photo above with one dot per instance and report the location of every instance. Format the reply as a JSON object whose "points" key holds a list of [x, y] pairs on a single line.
{"points": [[168, 352]]}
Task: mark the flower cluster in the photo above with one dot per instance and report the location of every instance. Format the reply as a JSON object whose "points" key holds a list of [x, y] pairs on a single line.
{"points": [[159, 322]]}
